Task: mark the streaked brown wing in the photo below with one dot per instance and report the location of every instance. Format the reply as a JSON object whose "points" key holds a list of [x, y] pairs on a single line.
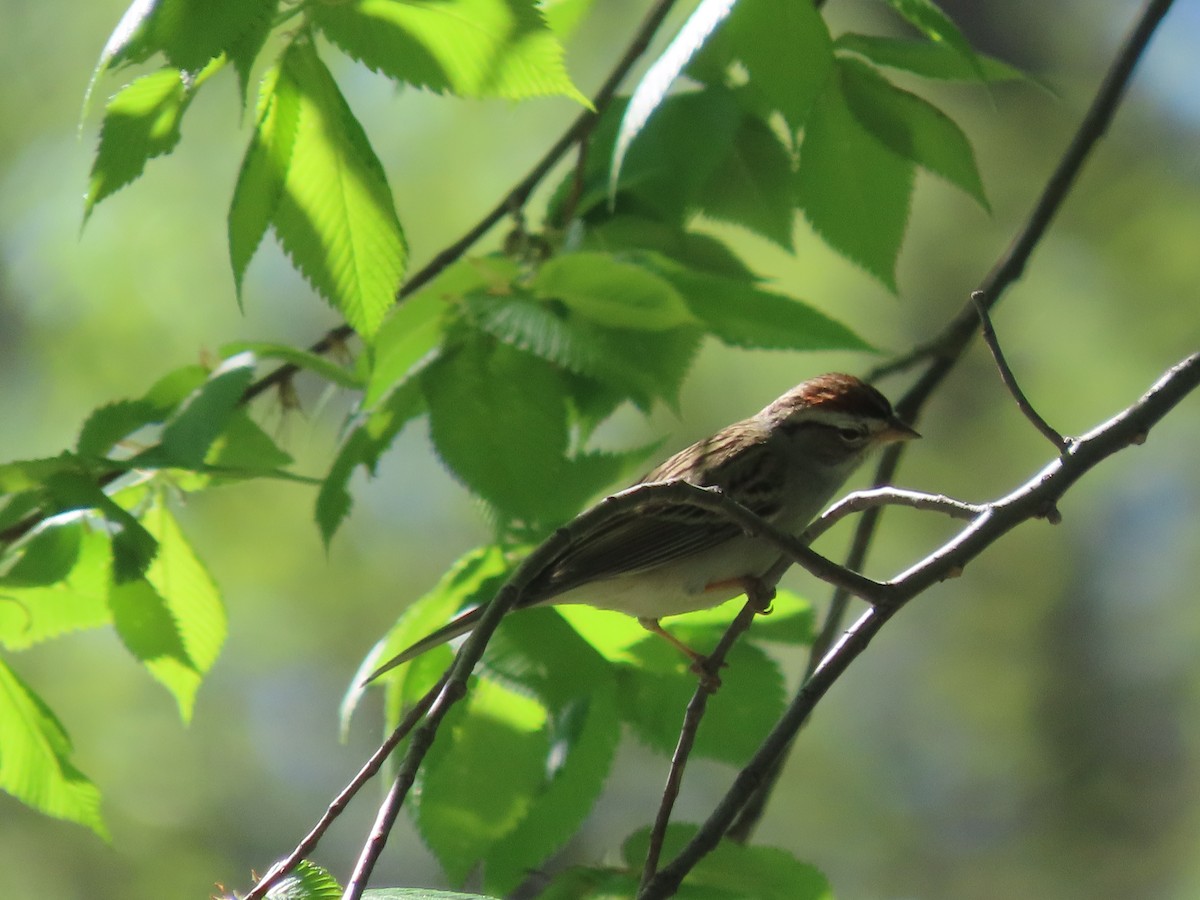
{"points": [[651, 539]]}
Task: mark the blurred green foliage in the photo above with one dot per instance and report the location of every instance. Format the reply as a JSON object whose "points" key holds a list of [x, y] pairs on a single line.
{"points": [[1036, 732]]}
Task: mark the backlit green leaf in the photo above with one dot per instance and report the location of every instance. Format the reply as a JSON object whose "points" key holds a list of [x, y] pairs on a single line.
{"points": [[264, 170], [336, 218], [474, 48], [140, 122], [59, 585], [611, 292], [36, 766], [481, 776]]}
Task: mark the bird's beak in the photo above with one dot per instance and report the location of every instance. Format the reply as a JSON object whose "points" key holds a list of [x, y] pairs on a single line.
{"points": [[897, 431]]}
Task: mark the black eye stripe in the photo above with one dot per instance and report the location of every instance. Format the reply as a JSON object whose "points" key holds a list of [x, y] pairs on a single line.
{"points": [[846, 432]]}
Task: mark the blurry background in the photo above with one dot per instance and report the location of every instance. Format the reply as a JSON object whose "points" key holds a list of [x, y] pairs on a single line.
{"points": [[1031, 729]]}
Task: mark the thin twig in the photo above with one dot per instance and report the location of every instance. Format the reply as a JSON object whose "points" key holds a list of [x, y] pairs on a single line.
{"points": [[943, 352], [860, 501], [365, 774], [691, 726], [1128, 428], [1009, 379]]}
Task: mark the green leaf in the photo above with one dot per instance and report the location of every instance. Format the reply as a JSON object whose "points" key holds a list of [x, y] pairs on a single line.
{"points": [[751, 187], [173, 621], [420, 894], [112, 423], [301, 359], [658, 686], [929, 59], [474, 48], [911, 127], [736, 870], [307, 881], [174, 387], [58, 585], [698, 251], [36, 766], [473, 579], [743, 315], [264, 170], [787, 52], [194, 427], [617, 363], [925, 16], [854, 191], [498, 418], [189, 33], [140, 122], [133, 547], [335, 218], [244, 49], [612, 293], [652, 89], [588, 733], [244, 448], [363, 445], [411, 331], [481, 776], [698, 127]]}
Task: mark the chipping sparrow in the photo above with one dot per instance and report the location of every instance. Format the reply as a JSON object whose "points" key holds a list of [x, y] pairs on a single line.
{"points": [[784, 463]]}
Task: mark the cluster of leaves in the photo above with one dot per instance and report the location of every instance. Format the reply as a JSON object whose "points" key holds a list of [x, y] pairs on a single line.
{"points": [[515, 358]]}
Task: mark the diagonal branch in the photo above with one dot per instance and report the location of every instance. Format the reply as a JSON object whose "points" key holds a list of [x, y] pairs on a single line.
{"points": [[1029, 501], [1010, 380], [943, 352]]}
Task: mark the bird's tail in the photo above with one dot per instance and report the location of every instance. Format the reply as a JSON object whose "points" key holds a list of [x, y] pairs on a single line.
{"points": [[464, 623]]}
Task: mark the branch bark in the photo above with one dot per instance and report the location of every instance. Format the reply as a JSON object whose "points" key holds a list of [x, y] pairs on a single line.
{"points": [[1029, 501], [943, 352]]}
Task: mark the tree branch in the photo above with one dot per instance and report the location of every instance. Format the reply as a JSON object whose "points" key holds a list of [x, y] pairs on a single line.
{"points": [[943, 352], [1029, 501], [1010, 380], [335, 809]]}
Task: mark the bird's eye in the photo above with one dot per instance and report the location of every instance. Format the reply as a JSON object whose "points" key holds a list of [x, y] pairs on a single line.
{"points": [[851, 435]]}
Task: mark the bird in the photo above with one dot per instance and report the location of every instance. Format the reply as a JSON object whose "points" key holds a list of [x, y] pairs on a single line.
{"points": [[785, 463]]}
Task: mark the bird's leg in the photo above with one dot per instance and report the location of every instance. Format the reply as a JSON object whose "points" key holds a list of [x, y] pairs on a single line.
{"points": [[751, 585], [710, 680], [756, 592]]}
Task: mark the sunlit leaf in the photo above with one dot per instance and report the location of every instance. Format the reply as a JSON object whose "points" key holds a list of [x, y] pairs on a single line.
{"points": [[173, 621], [264, 170], [481, 777], [140, 122], [36, 766], [57, 586], [475, 48], [335, 217], [611, 292]]}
